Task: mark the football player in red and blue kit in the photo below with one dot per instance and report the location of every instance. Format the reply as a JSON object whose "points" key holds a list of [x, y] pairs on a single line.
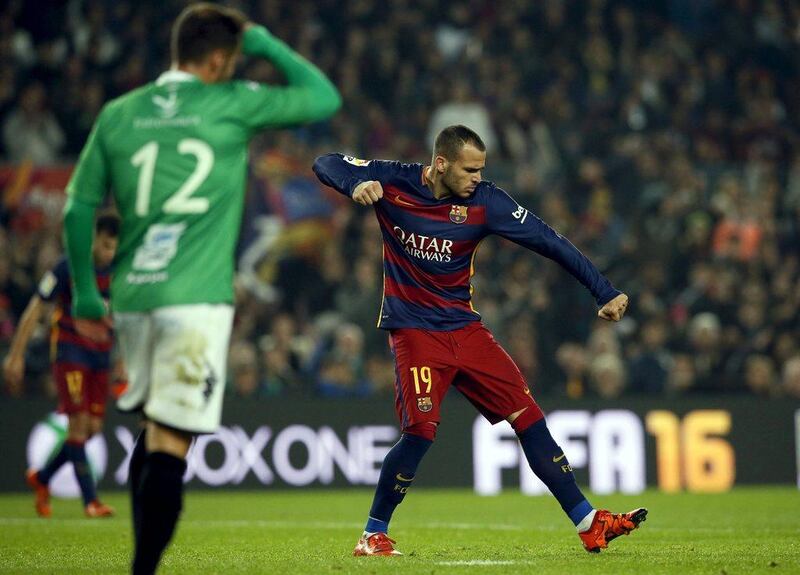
{"points": [[432, 219], [81, 366]]}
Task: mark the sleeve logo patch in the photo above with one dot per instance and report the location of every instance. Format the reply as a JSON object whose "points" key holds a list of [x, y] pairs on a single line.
{"points": [[520, 214], [356, 161], [47, 284]]}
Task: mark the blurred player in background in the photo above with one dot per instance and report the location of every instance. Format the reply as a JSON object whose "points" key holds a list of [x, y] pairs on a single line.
{"points": [[81, 364], [432, 219], [174, 152]]}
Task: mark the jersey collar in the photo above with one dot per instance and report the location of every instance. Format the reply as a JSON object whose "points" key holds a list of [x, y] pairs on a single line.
{"points": [[426, 189], [171, 76]]}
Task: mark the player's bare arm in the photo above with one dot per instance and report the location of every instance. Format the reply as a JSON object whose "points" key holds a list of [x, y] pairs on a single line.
{"points": [[367, 193], [14, 363], [615, 309]]}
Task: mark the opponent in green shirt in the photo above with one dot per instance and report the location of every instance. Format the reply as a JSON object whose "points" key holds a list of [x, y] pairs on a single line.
{"points": [[174, 155]]}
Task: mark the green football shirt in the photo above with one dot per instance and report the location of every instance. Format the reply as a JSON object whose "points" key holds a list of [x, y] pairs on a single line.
{"points": [[174, 155]]}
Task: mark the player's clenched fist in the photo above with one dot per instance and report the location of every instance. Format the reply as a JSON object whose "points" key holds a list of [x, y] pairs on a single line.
{"points": [[367, 193], [615, 309]]}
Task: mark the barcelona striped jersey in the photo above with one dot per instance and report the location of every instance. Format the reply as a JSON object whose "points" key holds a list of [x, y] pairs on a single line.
{"points": [[68, 346], [429, 244]]}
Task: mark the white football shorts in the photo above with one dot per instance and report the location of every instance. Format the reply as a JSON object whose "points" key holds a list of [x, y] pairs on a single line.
{"points": [[176, 358]]}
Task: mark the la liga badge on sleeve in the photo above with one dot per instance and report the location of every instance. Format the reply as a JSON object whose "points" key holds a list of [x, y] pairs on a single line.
{"points": [[356, 161]]}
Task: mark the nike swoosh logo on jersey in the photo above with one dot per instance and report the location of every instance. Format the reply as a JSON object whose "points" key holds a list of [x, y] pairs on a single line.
{"points": [[399, 200], [559, 458], [401, 478]]}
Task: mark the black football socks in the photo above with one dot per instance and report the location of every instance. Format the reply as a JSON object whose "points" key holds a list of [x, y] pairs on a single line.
{"points": [[138, 457], [160, 500]]}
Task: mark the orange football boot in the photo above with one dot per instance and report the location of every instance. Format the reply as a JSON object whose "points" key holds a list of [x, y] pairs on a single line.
{"points": [[97, 509], [41, 491], [375, 544], [607, 526]]}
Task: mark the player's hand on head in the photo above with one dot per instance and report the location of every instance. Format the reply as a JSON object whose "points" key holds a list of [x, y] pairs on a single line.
{"points": [[615, 309], [367, 193]]}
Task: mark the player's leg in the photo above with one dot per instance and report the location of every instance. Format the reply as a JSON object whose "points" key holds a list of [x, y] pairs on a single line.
{"points": [[493, 383], [549, 462], [97, 394], [190, 346], [398, 470], [160, 493], [423, 376], [39, 480], [71, 382], [78, 432], [135, 467], [95, 425], [497, 388], [134, 333], [46, 473]]}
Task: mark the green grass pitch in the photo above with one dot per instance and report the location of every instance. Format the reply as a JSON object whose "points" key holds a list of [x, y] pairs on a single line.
{"points": [[747, 531]]}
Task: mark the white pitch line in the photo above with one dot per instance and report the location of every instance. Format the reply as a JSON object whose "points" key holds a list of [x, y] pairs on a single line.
{"points": [[469, 526], [479, 563], [334, 525], [267, 523], [460, 526]]}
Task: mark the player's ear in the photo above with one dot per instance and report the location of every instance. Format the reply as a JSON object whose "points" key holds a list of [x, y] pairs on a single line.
{"points": [[441, 164], [217, 64], [213, 65]]}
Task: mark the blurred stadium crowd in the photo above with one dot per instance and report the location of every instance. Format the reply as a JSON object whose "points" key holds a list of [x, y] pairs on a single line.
{"points": [[661, 137]]}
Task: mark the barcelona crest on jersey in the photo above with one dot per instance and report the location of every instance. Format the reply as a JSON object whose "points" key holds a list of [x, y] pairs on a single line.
{"points": [[424, 404], [458, 214]]}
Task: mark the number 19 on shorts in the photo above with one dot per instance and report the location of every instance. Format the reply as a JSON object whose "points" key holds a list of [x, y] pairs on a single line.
{"points": [[422, 373]]}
